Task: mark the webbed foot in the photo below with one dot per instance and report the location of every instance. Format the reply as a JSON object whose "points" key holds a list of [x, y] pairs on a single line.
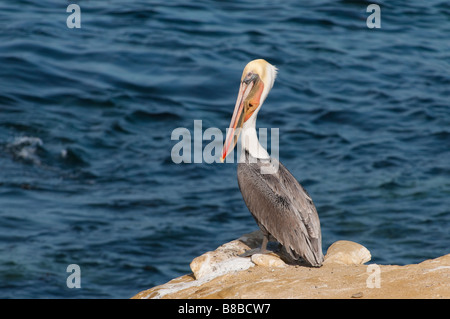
{"points": [[262, 250], [254, 251]]}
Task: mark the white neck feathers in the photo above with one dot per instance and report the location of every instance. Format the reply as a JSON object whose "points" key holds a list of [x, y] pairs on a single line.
{"points": [[249, 140]]}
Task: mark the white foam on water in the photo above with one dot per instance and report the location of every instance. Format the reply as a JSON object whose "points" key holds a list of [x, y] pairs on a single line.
{"points": [[25, 147]]}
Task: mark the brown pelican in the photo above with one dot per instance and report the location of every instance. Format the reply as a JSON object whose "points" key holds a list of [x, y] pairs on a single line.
{"points": [[280, 205]]}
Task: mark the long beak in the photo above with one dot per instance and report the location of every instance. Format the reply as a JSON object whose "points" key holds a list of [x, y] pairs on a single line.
{"points": [[247, 102], [237, 120]]}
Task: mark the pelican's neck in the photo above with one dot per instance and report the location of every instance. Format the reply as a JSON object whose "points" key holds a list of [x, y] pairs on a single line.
{"points": [[249, 140]]}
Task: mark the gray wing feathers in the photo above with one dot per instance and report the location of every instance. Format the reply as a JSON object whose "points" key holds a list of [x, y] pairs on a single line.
{"points": [[284, 209]]}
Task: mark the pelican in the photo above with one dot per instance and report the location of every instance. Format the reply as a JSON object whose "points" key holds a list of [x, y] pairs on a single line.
{"points": [[282, 208]]}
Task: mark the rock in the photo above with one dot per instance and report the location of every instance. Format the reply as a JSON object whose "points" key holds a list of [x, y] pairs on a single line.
{"points": [[208, 267], [347, 253], [225, 258], [268, 260], [222, 274]]}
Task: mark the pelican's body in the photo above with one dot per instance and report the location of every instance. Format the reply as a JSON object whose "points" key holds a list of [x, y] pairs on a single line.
{"points": [[281, 207]]}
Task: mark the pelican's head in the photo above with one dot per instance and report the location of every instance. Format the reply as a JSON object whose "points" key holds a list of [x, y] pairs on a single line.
{"points": [[256, 81]]}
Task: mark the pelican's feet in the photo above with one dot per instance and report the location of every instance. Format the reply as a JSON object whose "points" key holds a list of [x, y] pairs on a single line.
{"points": [[254, 251]]}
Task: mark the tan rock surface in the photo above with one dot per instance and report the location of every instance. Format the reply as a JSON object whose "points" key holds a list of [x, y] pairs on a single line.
{"points": [[236, 277]]}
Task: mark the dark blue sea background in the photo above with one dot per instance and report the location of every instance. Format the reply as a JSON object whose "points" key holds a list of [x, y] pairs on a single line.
{"points": [[86, 117]]}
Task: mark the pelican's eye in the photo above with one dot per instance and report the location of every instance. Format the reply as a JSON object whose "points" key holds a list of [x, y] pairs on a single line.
{"points": [[249, 77]]}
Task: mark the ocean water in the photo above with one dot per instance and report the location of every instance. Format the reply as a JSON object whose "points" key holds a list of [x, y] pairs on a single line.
{"points": [[86, 117]]}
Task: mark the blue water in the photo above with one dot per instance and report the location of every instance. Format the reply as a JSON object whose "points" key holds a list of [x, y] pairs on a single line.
{"points": [[86, 116]]}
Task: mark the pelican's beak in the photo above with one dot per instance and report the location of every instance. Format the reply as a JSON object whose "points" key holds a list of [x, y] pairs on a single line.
{"points": [[247, 102]]}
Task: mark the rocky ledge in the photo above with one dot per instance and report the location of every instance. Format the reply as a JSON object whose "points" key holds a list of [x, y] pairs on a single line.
{"points": [[344, 274]]}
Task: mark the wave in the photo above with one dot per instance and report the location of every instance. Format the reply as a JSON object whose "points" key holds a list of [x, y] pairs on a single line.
{"points": [[26, 148]]}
